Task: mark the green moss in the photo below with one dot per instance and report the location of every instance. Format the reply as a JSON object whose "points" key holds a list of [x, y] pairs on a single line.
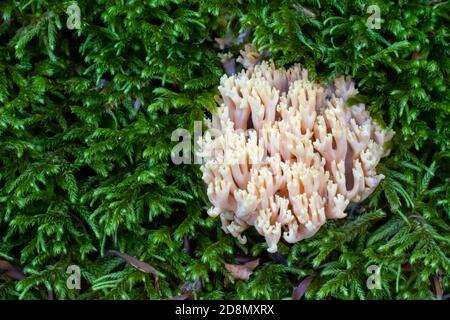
{"points": [[86, 118]]}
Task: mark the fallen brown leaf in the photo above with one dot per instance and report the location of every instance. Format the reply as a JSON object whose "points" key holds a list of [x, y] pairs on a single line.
{"points": [[10, 270], [187, 290], [299, 291], [187, 248], [242, 271], [138, 264], [437, 280], [184, 296], [192, 286], [416, 55]]}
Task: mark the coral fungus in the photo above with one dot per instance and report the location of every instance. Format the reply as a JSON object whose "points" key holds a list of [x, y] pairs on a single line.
{"points": [[284, 154]]}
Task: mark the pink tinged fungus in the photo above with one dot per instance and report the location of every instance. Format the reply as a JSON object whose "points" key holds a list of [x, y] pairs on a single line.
{"points": [[287, 154]]}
